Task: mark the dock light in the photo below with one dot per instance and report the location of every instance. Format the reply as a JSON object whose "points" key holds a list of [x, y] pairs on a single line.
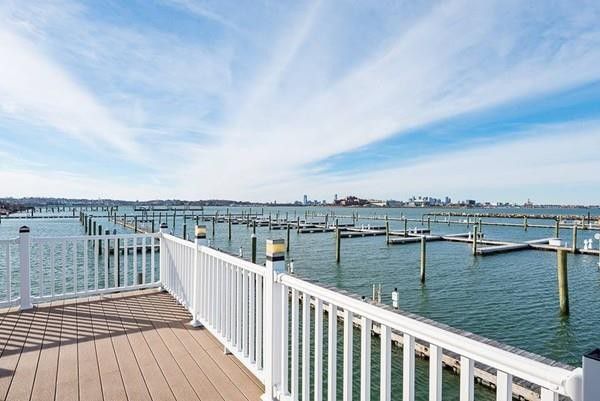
{"points": [[597, 236]]}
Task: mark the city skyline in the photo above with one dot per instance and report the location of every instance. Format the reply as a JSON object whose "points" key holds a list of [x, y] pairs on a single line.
{"points": [[215, 100]]}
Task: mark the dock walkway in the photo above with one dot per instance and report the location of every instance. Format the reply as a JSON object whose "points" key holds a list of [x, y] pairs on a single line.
{"points": [[127, 346]]}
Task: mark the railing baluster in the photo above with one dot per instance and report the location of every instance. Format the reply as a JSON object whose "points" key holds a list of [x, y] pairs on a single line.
{"points": [[466, 379], [64, 268], [385, 374], [332, 353], [135, 261], [259, 322], [408, 368], [96, 263], [228, 294], [144, 263], [348, 345], [435, 373], [106, 259], [152, 257], [503, 386], [52, 268], [223, 301], [126, 262], [116, 262], [305, 346], [365, 359], [318, 350], [252, 317], [239, 308], [40, 254], [284, 339], [245, 311], [74, 252], [8, 272], [548, 395], [294, 390]]}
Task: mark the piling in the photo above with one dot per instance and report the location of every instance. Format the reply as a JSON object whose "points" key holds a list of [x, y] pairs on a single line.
{"points": [[338, 238], [429, 223], [287, 243], [563, 284], [159, 218], [100, 241], [94, 231], [229, 228], [135, 226], [184, 233], [557, 229], [153, 223], [475, 233], [387, 232], [574, 239], [253, 247], [298, 224], [213, 226], [254, 226], [525, 225], [406, 227], [124, 220], [423, 258], [174, 213]]}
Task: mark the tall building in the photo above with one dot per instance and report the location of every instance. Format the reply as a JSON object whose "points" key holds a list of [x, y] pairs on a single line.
{"points": [[305, 200]]}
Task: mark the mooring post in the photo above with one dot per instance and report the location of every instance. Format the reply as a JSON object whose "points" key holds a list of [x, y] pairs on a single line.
{"points": [[475, 239], [229, 228], [184, 230], [574, 239], [254, 226], [99, 241], [525, 225], [423, 257], [213, 226], [338, 239], [269, 221], [298, 224], [159, 218], [135, 224], [406, 226], [557, 229], [124, 219], [563, 284], [429, 223], [174, 213], [387, 232], [287, 244], [253, 247], [94, 228]]}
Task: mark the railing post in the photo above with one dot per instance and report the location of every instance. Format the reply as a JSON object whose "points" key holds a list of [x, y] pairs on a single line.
{"points": [[591, 373], [272, 323], [24, 268], [164, 229], [200, 232]]}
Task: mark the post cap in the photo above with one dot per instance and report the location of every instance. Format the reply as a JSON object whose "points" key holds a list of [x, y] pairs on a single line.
{"points": [[275, 250], [24, 229], [163, 225], [595, 354], [200, 231]]}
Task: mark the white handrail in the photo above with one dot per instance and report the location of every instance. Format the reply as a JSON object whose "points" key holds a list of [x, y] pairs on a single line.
{"points": [[551, 377]]}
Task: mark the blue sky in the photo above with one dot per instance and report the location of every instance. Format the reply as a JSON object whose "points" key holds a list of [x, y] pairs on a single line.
{"points": [[495, 100]]}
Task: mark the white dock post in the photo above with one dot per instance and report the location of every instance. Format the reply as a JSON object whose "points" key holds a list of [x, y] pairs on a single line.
{"points": [[591, 373], [272, 319], [24, 269], [200, 240]]}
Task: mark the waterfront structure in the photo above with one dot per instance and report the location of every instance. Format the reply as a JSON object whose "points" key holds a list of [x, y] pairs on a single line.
{"points": [[255, 312]]}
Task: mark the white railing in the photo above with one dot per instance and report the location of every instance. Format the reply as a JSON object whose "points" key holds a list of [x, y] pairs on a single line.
{"points": [[240, 303], [223, 294], [66, 267], [275, 322]]}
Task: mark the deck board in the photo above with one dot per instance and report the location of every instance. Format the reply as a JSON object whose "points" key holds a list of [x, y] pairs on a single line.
{"points": [[128, 346]]}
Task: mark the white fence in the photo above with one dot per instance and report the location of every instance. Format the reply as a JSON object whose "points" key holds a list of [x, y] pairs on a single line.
{"points": [[66, 267], [281, 327]]}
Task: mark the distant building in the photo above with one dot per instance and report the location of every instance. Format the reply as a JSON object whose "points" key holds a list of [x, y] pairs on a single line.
{"points": [[305, 200]]}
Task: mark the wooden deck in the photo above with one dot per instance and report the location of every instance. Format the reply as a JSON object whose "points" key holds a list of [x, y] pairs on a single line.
{"points": [[128, 346]]}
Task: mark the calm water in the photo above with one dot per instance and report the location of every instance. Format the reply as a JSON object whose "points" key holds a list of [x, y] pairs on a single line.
{"points": [[509, 297]]}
